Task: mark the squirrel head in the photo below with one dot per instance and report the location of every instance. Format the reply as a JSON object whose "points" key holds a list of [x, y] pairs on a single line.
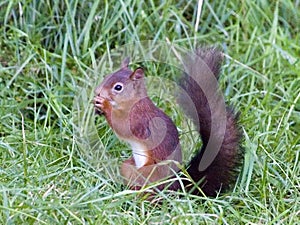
{"points": [[122, 89]]}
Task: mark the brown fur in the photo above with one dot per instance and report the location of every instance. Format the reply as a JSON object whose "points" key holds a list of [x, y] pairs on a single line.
{"points": [[223, 170]]}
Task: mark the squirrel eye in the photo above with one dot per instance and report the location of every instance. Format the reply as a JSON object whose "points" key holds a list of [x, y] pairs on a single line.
{"points": [[118, 87]]}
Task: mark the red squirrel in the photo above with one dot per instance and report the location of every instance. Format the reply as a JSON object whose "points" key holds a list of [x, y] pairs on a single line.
{"points": [[122, 98]]}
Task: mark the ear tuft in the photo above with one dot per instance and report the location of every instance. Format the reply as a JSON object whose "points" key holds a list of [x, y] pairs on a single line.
{"points": [[125, 62], [137, 74]]}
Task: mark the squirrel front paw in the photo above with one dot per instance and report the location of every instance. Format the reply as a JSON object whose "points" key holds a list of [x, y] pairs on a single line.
{"points": [[99, 105]]}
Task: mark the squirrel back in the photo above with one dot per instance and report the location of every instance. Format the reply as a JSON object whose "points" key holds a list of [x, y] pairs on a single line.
{"points": [[122, 98]]}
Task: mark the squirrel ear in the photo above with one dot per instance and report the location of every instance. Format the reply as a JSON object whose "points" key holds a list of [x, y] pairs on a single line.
{"points": [[137, 74], [125, 62]]}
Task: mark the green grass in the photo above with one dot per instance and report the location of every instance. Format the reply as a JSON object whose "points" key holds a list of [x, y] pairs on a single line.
{"points": [[59, 164]]}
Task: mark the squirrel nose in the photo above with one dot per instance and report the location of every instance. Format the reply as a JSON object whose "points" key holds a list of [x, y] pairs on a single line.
{"points": [[97, 92]]}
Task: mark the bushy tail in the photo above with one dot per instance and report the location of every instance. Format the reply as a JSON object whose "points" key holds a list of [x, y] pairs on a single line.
{"points": [[216, 164]]}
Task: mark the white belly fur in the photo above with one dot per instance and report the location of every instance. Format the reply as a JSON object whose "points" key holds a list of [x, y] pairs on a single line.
{"points": [[139, 153]]}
